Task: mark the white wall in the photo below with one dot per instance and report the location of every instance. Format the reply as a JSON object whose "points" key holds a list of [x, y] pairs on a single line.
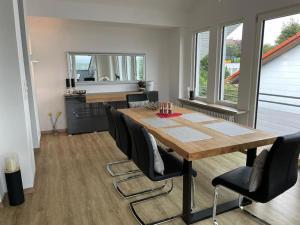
{"points": [[213, 14], [51, 39], [174, 57], [15, 124], [34, 117]]}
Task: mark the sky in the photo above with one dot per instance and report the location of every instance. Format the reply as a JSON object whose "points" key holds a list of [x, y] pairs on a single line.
{"points": [[272, 29]]}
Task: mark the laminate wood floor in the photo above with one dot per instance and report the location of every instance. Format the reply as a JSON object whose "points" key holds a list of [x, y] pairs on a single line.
{"points": [[72, 187]]}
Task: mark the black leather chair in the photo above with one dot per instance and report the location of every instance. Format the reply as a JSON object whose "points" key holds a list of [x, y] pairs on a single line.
{"points": [[280, 173], [123, 139], [143, 156], [111, 125], [136, 98], [123, 142]]}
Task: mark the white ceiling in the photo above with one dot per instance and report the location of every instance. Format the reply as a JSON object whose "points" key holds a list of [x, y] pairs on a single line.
{"points": [[168, 13], [165, 4]]}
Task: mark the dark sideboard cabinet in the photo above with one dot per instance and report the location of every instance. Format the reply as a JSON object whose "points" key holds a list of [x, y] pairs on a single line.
{"points": [[83, 117]]}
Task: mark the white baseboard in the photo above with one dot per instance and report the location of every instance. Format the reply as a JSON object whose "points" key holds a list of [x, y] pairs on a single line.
{"points": [[50, 131]]}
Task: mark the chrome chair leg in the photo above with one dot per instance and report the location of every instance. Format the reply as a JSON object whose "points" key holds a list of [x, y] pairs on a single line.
{"points": [[241, 201], [249, 213], [117, 183], [255, 217], [214, 217], [140, 221], [241, 198], [113, 174]]}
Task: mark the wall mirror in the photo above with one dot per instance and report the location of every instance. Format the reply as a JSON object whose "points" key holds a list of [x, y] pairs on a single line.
{"points": [[106, 67]]}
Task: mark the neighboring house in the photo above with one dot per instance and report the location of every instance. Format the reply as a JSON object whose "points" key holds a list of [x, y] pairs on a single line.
{"points": [[232, 67], [280, 77], [279, 92]]}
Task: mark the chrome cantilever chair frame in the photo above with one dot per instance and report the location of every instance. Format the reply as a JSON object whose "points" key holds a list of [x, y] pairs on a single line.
{"points": [[114, 130], [141, 222], [241, 198], [144, 158], [280, 173], [135, 214], [149, 190], [146, 191], [117, 183], [114, 174]]}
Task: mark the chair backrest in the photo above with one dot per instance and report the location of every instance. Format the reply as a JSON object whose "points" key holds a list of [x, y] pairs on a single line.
{"points": [[281, 167], [123, 139], [136, 98], [111, 125], [142, 151]]}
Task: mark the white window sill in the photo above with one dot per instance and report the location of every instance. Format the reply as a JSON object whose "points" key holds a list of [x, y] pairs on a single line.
{"points": [[213, 107]]}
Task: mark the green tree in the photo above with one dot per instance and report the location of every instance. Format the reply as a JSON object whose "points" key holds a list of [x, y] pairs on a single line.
{"points": [[204, 63], [203, 83], [233, 52], [267, 47], [227, 73], [289, 29], [203, 75]]}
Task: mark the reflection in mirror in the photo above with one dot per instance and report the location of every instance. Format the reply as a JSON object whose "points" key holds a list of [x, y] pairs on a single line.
{"points": [[106, 67]]}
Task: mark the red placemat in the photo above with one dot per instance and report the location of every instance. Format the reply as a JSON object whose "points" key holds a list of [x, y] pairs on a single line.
{"points": [[161, 115]]}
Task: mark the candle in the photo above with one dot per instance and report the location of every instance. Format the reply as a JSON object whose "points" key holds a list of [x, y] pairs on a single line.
{"points": [[165, 108], [170, 108], [160, 108], [11, 165]]}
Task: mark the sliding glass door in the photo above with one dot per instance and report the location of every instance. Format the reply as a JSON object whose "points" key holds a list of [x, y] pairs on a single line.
{"points": [[278, 106]]}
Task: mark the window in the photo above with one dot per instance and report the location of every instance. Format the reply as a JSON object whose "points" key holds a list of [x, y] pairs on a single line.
{"points": [[85, 66], [139, 62], [83, 62], [278, 103], [129, 68], [201, 63], [230, 62]]}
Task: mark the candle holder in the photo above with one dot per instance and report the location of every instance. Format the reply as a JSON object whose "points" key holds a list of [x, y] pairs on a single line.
{"points": [[13, 179], [165, 108], [191, 93]]}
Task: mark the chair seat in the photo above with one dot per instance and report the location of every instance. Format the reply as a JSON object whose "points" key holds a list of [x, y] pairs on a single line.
{"points": [[173, 166], [238, 180]]}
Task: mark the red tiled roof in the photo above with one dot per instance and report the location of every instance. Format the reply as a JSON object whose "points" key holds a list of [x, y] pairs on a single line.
{"points": [[269, 53]]}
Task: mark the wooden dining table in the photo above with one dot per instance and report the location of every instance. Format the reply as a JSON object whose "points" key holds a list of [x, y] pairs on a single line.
{"points": [[219, 143]]}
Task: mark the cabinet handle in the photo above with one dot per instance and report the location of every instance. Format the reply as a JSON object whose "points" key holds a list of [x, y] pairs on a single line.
{"points": [[75, 114]]}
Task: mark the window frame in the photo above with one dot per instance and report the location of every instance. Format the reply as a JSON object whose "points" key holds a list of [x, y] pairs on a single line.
{"points": [[136, 66], [194, 52], [255, 82], [219, 70]]}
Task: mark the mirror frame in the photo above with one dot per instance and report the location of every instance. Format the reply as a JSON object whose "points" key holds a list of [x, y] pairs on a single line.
{"points": [[71, 75]]}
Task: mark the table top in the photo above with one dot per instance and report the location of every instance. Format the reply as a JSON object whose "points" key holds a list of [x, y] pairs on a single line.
{"points": [[218, 144], [108, 96]]}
